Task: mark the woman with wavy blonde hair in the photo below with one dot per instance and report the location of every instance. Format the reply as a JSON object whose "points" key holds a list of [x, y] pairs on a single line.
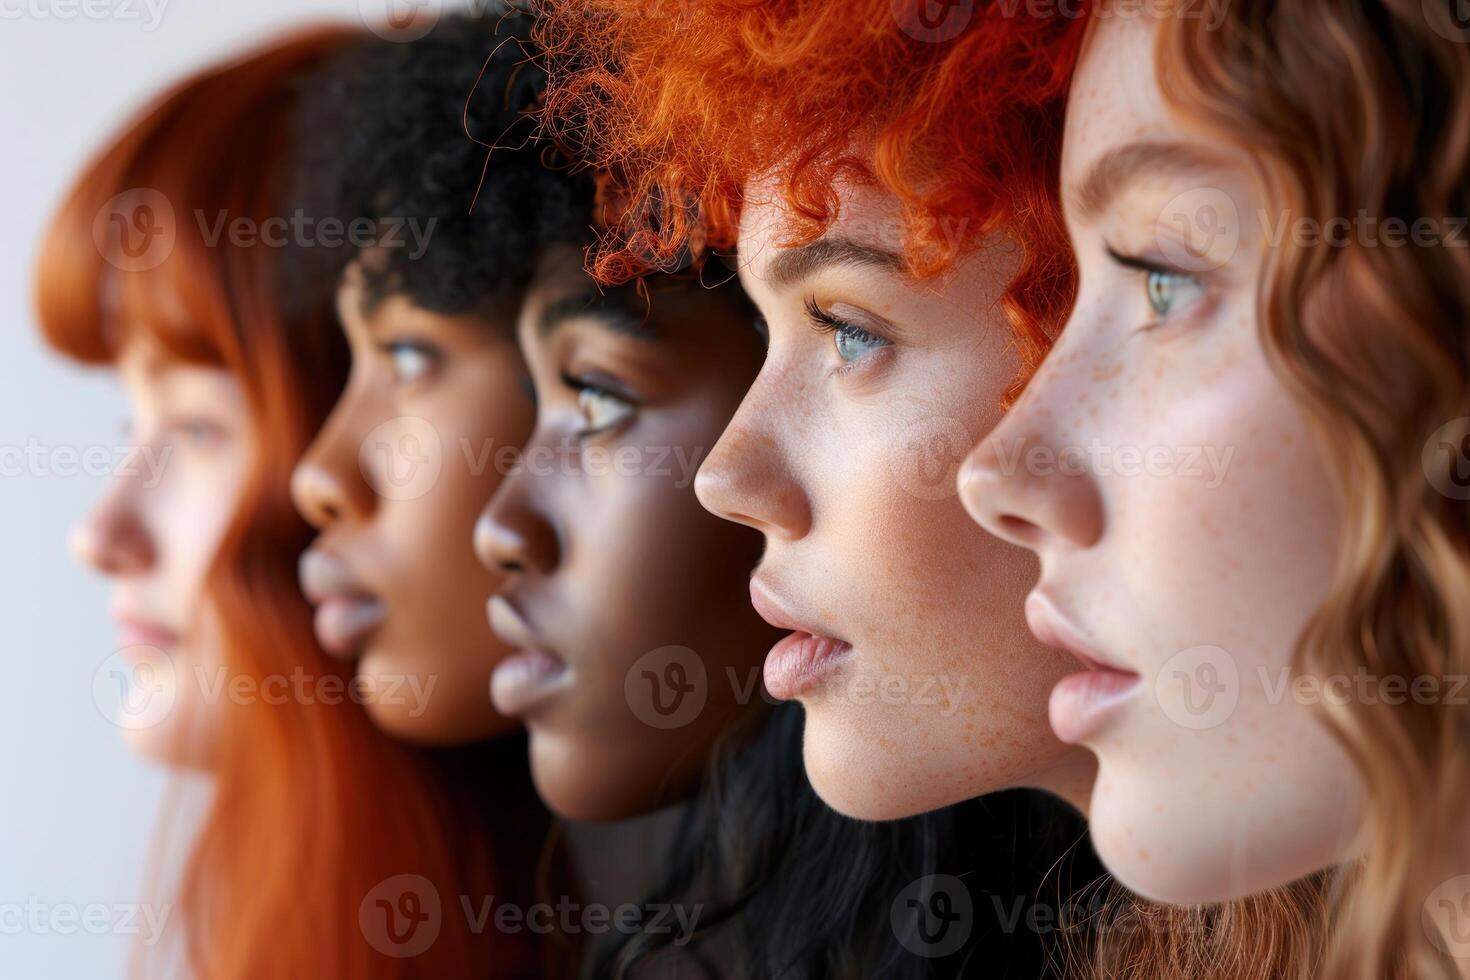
{"points": [[1269, 214]]}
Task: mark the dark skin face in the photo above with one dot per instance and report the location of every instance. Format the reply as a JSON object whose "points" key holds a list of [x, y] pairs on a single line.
{"points": [[395, 481], [621, 591]]}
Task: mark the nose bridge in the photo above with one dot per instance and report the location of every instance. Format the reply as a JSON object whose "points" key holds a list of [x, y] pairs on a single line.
{"points": [[328, 483], [749, 475], [113, 537], [516, 531], [1026, 481]]}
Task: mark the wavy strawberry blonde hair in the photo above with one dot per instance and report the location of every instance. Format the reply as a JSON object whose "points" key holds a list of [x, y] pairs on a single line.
{"points": [[312, 807], [687, 102], [1363, 107], [1354, 108]]}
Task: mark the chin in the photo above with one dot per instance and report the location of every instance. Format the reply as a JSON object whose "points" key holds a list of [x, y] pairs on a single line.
{"points": [[455, 711], [168, 745], [851, 779], [1194, 853], [574, 785]]}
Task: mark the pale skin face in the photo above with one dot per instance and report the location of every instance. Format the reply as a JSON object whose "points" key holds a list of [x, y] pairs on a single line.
{"points": [[908, 650], [154, 533], [1180, 508], [394, 481]]}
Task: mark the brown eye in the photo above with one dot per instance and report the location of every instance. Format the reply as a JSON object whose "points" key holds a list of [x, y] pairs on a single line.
{"points": [[602, 409]]}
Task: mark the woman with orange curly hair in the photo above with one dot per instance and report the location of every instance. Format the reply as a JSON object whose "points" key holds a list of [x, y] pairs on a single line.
{"points": [[1269, 212], [888, 182], [328, 850]]}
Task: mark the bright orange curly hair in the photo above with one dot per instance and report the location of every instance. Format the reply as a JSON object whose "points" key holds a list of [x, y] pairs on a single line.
{"points": [[953, 106]]}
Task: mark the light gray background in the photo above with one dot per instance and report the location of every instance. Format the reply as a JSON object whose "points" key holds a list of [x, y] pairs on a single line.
{"points": [[77, 811]]}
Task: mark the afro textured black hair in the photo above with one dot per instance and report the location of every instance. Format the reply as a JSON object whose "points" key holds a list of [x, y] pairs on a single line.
{"points": [[435, 135]]}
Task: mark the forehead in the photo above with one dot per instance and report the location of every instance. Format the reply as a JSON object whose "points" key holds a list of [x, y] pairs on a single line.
{"points": [[1115, 97], [866, 215]]}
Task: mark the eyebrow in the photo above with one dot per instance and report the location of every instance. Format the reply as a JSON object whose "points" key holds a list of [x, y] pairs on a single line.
{"points": [[1119, 168], [603, 309], [794, 265]]}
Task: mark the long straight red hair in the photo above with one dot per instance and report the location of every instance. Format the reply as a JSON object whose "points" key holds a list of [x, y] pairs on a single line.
{"points": [[313, 809]]}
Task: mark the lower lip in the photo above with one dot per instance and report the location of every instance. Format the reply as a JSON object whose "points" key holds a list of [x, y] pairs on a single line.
{"points": [[132, 637], [799, 661], [1082, 703], [525, 679], [343, 624]]}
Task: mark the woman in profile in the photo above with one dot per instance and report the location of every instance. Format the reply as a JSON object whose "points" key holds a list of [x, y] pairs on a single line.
{"points": [[327, 849]]}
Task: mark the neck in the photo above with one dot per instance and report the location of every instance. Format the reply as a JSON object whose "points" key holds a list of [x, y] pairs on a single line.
{"points": [[618, 863]]}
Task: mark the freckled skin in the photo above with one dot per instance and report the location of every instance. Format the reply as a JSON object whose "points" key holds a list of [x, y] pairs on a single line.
{"points": [[1186, 811], [816, 459]]}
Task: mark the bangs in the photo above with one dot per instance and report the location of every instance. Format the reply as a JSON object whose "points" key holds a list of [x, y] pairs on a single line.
{"points": [[140, 246]]}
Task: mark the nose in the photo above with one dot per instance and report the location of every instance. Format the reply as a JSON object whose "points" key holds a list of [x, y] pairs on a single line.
{"points": [[746, 478], [328, 484], [514, 534], [113, 539], [1016, 487]]}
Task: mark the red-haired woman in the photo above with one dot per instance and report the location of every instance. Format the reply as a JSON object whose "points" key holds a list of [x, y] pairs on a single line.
{"points": [[888, 182], [890, 189], [328, 850]]}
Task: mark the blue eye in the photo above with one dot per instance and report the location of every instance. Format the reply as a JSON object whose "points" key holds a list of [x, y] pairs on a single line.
{"points": [[1167, 291], [853, 343]]}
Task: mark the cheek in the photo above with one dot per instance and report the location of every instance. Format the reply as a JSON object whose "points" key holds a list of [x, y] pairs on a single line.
{"points": [[190, 515], [1228, 521]]}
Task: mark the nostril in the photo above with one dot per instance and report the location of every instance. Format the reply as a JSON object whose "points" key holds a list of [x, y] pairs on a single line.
{"points": [[1017, 527], [512, 567]]}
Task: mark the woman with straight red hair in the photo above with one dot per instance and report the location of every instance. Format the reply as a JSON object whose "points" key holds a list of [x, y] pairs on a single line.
{"points": [[328, 849]]}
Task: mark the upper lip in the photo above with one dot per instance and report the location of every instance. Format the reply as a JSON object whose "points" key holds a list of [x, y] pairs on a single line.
{"points": [[511, 627], [325, 576], [1052, 628], [768, 607]]}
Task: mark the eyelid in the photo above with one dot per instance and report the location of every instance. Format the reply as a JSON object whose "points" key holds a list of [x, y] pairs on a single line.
{"points": [[827, 322], [605, 386]]}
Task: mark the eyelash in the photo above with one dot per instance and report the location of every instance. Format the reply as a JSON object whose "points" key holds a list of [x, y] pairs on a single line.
{"points": [[1146, 269], [827, 323]]}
